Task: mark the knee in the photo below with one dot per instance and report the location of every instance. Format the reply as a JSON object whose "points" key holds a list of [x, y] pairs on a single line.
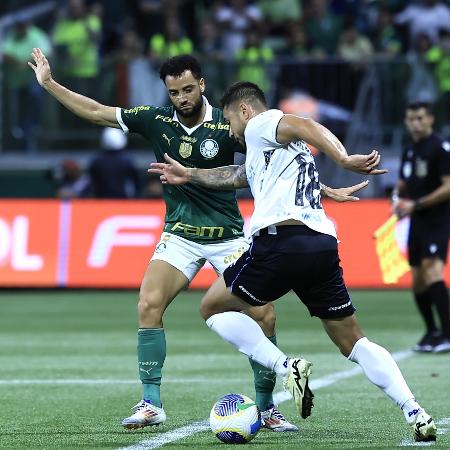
{"points": [[207, 309], [151, 308]]}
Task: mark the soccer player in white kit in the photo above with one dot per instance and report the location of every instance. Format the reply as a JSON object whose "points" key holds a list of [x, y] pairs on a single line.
{"points": [[294, 247]]}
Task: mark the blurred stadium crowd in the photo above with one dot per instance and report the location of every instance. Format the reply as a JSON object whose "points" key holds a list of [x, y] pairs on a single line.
{"points": [[333, 60]]}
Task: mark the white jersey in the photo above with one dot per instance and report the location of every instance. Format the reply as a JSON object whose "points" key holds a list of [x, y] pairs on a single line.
{"points": [[283, 178]]}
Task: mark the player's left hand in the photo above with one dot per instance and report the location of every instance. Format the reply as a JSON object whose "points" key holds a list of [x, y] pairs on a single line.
{"points": [[345, 194], [171, 172], [366, 164], [404, 207]]}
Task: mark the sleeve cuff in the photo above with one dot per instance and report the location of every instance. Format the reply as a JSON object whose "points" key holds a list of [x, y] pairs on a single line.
{"points": [[120, 121]]}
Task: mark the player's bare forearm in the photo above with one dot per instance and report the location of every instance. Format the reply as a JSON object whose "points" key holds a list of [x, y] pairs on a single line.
{"points": [[221, 178], [292, 128], [80, 105]]}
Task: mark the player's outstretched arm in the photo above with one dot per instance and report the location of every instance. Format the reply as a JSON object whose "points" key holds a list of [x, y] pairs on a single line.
{"points": [[82, 106], [220, 178], [293, 128], [342, 194]]}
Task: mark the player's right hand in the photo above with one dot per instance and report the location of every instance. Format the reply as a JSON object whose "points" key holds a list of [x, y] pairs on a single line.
{"points": [[171, 172], [41, 67]]}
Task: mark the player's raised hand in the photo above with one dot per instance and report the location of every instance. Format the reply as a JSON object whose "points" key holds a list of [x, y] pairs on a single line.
{"points": [[41, 66], [171, 172], [366, 164], [344, 194]]}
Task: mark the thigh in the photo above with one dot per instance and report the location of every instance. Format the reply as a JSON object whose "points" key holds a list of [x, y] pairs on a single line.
{"points": [[184, 255], [220, 299]]}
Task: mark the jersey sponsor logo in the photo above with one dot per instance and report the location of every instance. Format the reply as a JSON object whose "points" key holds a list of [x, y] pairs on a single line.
{"points": [[166, 119], [136, 110], [185, 149], [421, 168], [167, 139], [216, 126], [190, 139], [192, 230], [209, 148]]}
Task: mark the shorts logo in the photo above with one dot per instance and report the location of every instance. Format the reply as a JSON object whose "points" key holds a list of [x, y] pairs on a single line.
{"points": [[242, 288], [337, 308], [160, 248], [209, 148]]}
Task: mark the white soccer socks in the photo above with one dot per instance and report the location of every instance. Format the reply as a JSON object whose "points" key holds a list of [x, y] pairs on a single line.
{"points": [[381, 369], [243, 333]]}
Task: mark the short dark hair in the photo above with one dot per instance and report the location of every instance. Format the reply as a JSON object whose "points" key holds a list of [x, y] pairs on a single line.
{"points": [[414, 106], [178, 64], [243, 90]]}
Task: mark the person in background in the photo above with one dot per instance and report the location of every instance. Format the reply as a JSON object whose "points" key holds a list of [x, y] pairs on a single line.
{"points": [[22, 88], [70, 180], [113, 174], [423, 193]]}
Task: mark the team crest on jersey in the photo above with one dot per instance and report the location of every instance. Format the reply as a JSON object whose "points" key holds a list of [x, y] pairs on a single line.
{"points": [[421, 168], [185, 149], [209, 148]]}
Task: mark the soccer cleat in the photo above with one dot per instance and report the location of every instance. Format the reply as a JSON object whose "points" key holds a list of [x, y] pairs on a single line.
{"points": [[273, 420], [296, 382], [424, 428], [145, 414], [426, 344], [441, 345]]}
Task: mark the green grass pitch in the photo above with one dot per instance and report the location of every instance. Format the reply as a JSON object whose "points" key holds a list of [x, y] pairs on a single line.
{"points": [[68, 374]]}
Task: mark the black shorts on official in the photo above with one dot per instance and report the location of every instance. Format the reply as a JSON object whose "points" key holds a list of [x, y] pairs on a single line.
{"points": [[296, 258], [427, 239]]}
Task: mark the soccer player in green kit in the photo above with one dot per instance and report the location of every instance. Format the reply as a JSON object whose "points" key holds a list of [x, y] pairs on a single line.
{"points": [[200, 224]]}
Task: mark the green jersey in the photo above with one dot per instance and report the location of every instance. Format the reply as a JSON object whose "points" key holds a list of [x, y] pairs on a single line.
{"points": [[194, 212]]}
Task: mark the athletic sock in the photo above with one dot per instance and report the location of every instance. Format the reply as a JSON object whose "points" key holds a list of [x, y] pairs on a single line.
{"points": [[242, 332], [438, 295], [151, 350], [424, 305], [381, 369], [264, 380]]}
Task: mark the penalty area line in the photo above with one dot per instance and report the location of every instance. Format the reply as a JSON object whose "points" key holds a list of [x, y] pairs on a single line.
{"points": [[279, 397]]}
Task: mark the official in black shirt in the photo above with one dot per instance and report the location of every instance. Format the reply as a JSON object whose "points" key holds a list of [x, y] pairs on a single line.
{"points": [[423, 193]]}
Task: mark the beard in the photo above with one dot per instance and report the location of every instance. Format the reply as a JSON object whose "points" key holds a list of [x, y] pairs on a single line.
{"points": [[193, 112]]}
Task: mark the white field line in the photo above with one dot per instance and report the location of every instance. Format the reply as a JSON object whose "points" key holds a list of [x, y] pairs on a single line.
{"points": [[279, 397], [95, 381], [443, 427]]}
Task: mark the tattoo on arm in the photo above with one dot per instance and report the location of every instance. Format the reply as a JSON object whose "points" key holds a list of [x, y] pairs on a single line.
{"points": [[221, 178]]}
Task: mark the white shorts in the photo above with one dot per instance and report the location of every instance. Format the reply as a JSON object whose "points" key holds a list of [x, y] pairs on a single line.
{"points": [[189, 257]]}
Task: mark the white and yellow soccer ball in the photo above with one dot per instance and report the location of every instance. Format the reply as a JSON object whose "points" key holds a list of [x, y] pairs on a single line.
{"points": [[235, 419]]}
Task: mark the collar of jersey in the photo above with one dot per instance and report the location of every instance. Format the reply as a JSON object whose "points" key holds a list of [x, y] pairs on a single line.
{"points": [[208, 117]]}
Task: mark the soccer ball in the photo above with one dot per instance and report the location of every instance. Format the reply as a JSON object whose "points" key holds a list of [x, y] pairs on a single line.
{"points": [[235, 419]]}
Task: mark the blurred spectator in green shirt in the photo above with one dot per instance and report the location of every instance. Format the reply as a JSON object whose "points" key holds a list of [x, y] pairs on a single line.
{"points": [[24, 95], [76, 37], [322, 28]]}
